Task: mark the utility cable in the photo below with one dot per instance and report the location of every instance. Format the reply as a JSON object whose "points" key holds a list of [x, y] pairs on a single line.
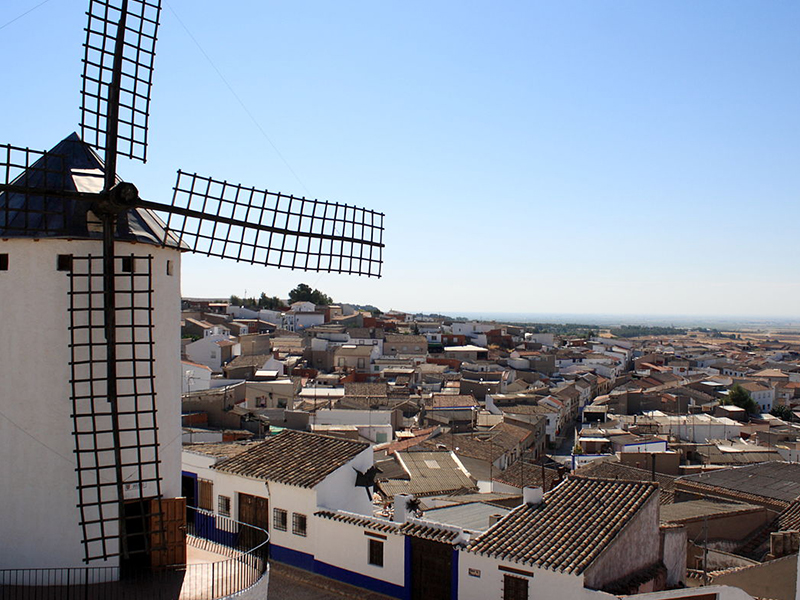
{"points": [[27, 12]]}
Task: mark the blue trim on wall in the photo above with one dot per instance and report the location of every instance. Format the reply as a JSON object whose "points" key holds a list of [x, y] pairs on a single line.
{"points": [[359, 580], [191, 476], [454, 575], [407, 577], [295, 558]]}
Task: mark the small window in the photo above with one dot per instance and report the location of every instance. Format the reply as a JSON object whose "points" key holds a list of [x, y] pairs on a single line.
{"points": [[64, 262], [376, 553], [170, 268], [279, 519], [299, 523], [127, 264], [224, 506], [3, 262], [206, 501], [515, 588]]}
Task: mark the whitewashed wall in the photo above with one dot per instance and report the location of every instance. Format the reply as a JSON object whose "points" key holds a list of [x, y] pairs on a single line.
{"points": [[38, 489], [333, 536]]}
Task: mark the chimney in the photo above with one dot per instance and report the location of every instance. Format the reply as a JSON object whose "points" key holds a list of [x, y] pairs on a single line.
{"points": [[400, 509], [494, 518], [532, 496]]}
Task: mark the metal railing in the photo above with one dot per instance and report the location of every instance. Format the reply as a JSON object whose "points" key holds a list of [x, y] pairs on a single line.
{"points": [[244, 564]]}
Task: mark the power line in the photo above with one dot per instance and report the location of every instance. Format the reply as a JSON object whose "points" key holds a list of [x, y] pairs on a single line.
{"points": [[27, 12], [238, 98]]}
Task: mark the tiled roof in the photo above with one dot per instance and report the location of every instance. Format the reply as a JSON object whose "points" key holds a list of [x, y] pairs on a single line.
{"points": [[522, 474], [697, 509], [617, 470], [570, 528], [294, 458], [431, 473], [775, 480], [428, 532], [451, 401], [220, 449], [359, 521]]}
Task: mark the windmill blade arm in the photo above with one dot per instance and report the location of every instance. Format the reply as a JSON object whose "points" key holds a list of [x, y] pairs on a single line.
{"points": [[134, 23], [217, 218]]}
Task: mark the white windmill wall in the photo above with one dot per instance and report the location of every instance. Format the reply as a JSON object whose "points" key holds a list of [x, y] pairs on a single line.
{"points": [[40, 524]]}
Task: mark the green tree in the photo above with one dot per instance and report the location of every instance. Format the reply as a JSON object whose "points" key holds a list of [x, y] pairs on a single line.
{"points": [[273, 303], [781, 411], [235, 301], [738, 396], [304, 293]]}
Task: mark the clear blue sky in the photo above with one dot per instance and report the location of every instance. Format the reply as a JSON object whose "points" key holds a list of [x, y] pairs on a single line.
{"points": [[571, 157]]}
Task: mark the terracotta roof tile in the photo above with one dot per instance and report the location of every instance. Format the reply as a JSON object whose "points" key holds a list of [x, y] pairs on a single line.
{"points": [[570, 528], [294, 458]]}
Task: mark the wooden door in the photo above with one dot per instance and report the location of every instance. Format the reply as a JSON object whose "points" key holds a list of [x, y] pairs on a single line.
{"points": [[168, 532], [253, 510], [431, 576]]}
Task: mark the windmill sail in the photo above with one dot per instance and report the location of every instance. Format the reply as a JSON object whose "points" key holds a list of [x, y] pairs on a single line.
{"points": [[137, 20], [129, 447], [246, 224]]}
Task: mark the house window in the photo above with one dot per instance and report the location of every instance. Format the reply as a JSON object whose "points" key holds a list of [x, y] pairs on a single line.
{"points": [[170, 268], [224, 506], [3, 262], [515, 588], [299, 524], [279, 519], [206, 501], [375, 552], [64, 262], [360, 363]]}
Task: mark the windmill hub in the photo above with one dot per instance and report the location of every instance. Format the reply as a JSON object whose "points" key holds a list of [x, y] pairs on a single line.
{"points": [[121, 197]]}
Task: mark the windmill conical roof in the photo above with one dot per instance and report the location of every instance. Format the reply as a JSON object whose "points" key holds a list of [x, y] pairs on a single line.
{"points": [[71, 166]]}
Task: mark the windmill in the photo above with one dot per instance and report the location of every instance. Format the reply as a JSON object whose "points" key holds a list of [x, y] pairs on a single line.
{"points": [[95, 266]]}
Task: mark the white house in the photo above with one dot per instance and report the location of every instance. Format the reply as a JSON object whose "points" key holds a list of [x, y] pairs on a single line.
{"points": [[194, 377], [584, 537], [212, 351], [279, 484]]}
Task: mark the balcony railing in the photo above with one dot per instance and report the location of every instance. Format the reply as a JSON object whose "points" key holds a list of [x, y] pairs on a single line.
{"points": [[228, 557]]}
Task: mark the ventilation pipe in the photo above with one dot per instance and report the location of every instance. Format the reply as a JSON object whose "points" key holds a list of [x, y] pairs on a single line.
{"points": [[532, 496], [401, 508], [494, 518]]}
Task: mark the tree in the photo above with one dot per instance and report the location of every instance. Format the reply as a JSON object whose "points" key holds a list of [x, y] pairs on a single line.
{"points": [[304, 293], [781, 411], [236, 301], [738, 396], [273, 303]]}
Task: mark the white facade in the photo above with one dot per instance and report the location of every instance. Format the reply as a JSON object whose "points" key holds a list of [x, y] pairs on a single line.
{"points": [[207, 351], [39, 481], [194, 377]]}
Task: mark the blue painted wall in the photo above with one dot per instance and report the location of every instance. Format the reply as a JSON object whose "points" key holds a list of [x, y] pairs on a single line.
{"points": [[359, 580]]}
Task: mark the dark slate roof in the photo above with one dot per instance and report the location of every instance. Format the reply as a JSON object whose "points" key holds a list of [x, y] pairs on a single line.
{"points": [[82, 170], [775, 480], [294, 458], [570, 528]]}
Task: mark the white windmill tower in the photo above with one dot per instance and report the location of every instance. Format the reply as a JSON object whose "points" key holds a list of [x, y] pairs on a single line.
{"points": [[90, 291]]}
